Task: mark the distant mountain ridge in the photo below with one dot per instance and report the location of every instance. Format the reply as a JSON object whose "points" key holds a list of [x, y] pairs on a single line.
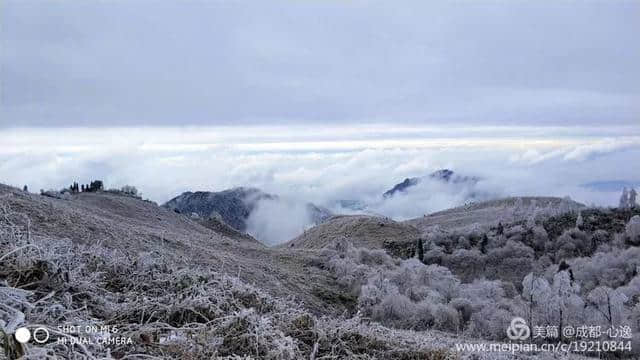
{"points": [[444, 175], [611, 185], [233, 206]]}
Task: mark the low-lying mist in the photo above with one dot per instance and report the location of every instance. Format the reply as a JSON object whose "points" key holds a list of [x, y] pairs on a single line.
{"points": [[274, 221], [300, 168]]}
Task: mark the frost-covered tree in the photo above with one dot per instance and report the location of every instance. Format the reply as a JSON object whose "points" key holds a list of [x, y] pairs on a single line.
{"points": [[535, 292], [386, 304], [624, 199], [609, 305], [540, 237], [466, 264], [564, 306], [573, 242], [482, 292], [632, 198], [412, 295], [491, 321], [435, 277], [531, 219], [579, 221], [632, 289], [435, 255], [420, 251], [613, 269], [511, 262], [632, 230], [490, 310], [598, 238]]}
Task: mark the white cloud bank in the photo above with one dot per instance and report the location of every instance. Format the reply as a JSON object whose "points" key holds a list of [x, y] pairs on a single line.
{"points": [[325, 164], [276, 221]]}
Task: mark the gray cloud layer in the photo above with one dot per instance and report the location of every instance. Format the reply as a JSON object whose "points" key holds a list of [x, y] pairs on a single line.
{"points": [[81, 63], [163, 162]]}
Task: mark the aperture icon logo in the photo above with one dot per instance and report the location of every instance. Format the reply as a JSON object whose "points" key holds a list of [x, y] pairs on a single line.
{"points": [[518, 329], [41, 335]]}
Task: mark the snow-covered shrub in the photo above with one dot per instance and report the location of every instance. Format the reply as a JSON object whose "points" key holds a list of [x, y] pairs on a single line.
{"points": [[632, 230], [467, 264], [511, 262], [632, 289], [446, 317], [445, 242], [464, 307], [600, 237], [375, 257], [612, 269], [393, 309], [463, 242], [490, 308], [482, 292], [435, 255], [352, 266], [514, 233], [408, 294], [490, 322], [540, 237], [572, 243], [348, 272], [413, 295], [435, 277]]}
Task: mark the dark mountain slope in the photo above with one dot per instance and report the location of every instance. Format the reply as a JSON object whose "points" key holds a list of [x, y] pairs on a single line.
{"points": [[233, 206], [444, 175]]}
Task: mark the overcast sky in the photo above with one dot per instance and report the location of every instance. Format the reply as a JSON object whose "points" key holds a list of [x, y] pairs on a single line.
{"points": [[119, 63], [322, 100]]}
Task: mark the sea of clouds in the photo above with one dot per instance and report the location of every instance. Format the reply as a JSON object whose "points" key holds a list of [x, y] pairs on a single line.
{"points": [[325, 164]]}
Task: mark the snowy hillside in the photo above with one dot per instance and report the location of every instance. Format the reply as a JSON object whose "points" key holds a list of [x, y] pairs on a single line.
{"points": [[168, 284]]}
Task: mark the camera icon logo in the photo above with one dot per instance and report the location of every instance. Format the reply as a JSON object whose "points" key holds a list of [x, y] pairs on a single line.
{"points": [[40, 335]]}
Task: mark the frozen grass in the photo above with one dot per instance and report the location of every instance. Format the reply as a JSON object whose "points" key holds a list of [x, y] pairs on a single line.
{"points": [[167, 310]]}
